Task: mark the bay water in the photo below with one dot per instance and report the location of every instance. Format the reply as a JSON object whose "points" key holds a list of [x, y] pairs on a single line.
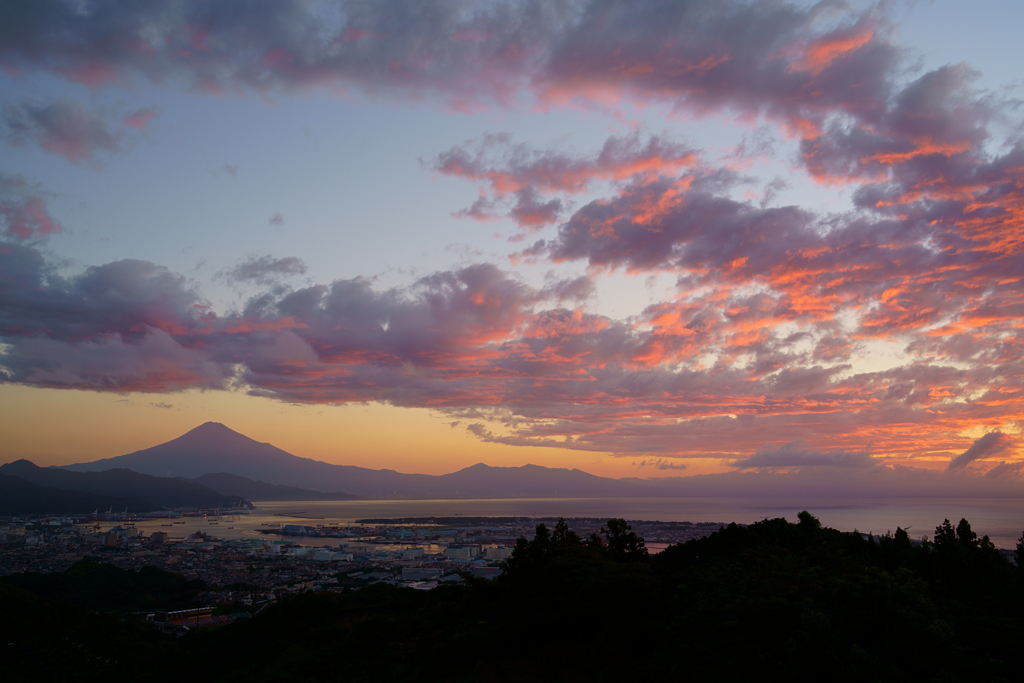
{"points": [[1002, 519]]}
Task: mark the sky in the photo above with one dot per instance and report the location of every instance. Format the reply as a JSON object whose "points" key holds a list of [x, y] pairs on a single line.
{"points": [[637, 238]]}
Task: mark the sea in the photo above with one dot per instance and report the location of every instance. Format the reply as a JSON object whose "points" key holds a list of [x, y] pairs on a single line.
{"points": [[1002, 519]]}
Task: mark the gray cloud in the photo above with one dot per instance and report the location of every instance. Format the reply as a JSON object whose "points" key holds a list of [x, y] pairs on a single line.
{"points": [[1006, 469], [572, 289], [265, 270], [661, 464], [990, 445], [797, 454]]}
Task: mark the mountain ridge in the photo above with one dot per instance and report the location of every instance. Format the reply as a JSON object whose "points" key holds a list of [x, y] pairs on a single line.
{"points": [[213, 448], [18, 496], [156, 491], [250, 489]]}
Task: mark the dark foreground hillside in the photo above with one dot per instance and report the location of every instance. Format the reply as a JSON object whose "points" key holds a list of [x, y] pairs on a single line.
{"points": [[770, 601]]}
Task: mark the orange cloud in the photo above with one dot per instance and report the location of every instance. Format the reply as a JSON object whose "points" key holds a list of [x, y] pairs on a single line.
{"points": [[923, 146], [819, 54]]}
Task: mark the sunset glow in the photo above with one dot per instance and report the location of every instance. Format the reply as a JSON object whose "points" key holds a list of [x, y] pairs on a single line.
{"points": [[638, 239]]}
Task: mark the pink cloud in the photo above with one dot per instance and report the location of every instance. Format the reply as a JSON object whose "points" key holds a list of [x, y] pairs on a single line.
{"points": [[820, 53], [724, 57], [93, 74], [758, 357], [62, 127], [509, 168], [140, 119], [24, 213], [533, 177], [478, 343], [69, 130]]}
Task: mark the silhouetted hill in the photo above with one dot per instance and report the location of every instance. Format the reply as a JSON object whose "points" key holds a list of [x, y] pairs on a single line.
{"points": [[210, 447], [213, 448], [158, 491], [234, 485], [19, 496], [105, 588]]}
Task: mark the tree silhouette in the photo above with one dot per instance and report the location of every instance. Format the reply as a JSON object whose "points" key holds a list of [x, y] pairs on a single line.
{"points": [[807, 521], [965, 536], [623, 544], [563, 535], [945, 536], [901, 541]]}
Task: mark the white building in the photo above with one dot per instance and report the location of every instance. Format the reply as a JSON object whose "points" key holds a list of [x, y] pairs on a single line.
{"points": [[500, 553], [461, 552]]}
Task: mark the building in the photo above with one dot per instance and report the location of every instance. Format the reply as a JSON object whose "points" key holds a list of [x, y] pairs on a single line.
{"points": [[463, 552], [501, 553]]}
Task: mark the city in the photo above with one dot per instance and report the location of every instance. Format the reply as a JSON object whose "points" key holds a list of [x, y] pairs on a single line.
{"points": [[245, 574]]}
